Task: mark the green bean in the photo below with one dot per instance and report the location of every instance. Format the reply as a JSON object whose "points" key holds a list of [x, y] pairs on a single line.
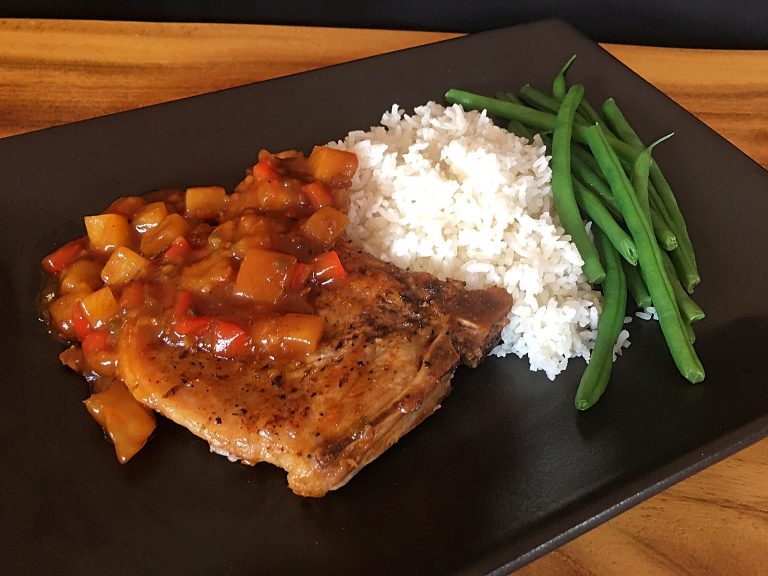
{"points": [[532, 118], [689, 310], [636, 286], [628, 135], [649, 257], [537, 99], [586, 109], [507, 97], [689, 331], [596, 184], [594, 118], [666, 234], [640, 183], [663, 232], [658, 205], [685, 262], [579, 151], [562, 186], [510, 110], [594, 181], [518, 129], [668, 199], [684, 268], [660, 220], [619, 125], [640, 170], [626, 153], [514, 126], [595, 378], [603, 219], [558, 84], [590, 178]]}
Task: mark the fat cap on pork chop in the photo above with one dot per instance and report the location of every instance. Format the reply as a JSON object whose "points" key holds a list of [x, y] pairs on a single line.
{"points": [[391, 343]]}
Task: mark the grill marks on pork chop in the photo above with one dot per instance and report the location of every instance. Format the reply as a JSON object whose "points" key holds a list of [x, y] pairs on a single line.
{"points": [[391, 342]]}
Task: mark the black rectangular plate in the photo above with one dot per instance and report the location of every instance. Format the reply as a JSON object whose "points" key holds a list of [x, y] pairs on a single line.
{"points": [[505, 471]]}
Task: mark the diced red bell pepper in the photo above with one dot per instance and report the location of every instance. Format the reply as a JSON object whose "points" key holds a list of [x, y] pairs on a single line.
{"points": [[231, 340], [191, 325], [183, 303], [263, 171], [298, 276], [184, 324], [80, 323], [95, 341], [59, 259], [178, 251], [317, 194], [328, 268]]}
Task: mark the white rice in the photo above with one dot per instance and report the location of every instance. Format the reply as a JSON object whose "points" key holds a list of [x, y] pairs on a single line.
{"points": [[448, 192]]}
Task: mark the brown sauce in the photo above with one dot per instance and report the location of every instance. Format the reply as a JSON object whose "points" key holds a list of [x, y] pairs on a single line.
{"points": [[234, 275]]}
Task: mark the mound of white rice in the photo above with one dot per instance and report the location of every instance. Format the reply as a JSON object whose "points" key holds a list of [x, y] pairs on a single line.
{"points": [[448, 192]]}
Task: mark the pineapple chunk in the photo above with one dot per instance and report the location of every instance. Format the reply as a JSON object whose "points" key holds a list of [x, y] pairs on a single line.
{"points": [[62, 311], [128, 423], [123, 266], [150, 216], [330, 165], [292, 334], [82, 276], [325, 226], [242, 246], [127, 206], [252, 232], [224, 233], [108, 231], [100, 307], [263, 275], [157, 240], [205, 202]]}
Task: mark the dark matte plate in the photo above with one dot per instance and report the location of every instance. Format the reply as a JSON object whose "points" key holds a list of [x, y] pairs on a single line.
{"points": [[505, 471]]}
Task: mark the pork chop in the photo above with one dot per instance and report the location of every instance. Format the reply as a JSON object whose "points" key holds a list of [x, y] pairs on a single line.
{"points": [[391, 343]]}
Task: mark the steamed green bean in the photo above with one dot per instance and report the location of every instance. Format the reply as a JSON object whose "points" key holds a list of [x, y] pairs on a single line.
{"points": [[656, 279], [595, 378], [562, 186]]}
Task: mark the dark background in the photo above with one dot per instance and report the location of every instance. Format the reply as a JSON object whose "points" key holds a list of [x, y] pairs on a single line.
{"points": [[680, 23]]}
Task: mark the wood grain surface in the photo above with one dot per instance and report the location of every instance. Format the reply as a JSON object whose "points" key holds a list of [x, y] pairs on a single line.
{"points": [[54, 72]]}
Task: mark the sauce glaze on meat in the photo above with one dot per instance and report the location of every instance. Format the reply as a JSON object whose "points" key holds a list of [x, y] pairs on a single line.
{"points": [[249, 320]]}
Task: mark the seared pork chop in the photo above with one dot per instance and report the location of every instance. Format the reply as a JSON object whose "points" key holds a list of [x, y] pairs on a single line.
{"points": [[246, 318], [392, 340]]}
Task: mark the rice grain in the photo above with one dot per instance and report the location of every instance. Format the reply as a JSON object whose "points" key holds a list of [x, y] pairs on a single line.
{"points": [[448, 192]]}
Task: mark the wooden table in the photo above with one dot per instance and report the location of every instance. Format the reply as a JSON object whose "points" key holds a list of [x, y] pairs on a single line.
{"points": [[54, 72]]}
